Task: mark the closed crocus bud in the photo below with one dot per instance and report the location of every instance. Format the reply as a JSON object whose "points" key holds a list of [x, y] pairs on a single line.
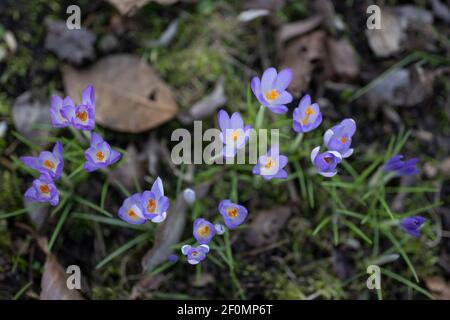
{"points": [[220, 229], [189, 195]]}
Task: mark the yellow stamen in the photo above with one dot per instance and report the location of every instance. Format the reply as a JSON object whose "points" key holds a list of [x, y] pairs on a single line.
{"points": [[195, 253], [82, 115], [49, 164], [232, 212], [236, 134], [309, 112], [271, 95], [151, 205], [132, 214], [44, 188], [100, 156], [344, 139], [203, 231], [327, 159], [269, 163]]}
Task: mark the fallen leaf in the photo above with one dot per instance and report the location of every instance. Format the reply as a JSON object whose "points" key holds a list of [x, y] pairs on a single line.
{"points": [[30, 116], [3, 128], [74, 46], [130, 96], [270, 5], [130, 7], [438, 287], [205, 107], [170, 231], [252, 14], [294, 29], [387, 40], [343, 58], [37, 213], [203, 280], [444, 167], [54, 278], [166, 37], [303, 55], [401, 88], [413, 15], [265, 228]]}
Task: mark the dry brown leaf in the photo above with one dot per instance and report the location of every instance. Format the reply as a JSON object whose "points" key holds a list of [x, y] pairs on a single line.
{"points": [[298, 28], [264, 229], [130, 96], [130, 7], [438, 287], [54, 278], [387, 40], [302, 55], [343, 57]]}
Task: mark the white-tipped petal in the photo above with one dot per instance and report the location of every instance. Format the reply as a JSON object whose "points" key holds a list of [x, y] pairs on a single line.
{"points": [[327, 136], [205, 246], [348, 153], [328, 174], [160, 218], [314, 153], [185, 248]]}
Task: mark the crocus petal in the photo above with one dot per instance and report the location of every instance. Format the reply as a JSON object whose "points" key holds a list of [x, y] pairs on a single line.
{"points": [[284, 98], [114, 157], [88, 95], [327, 136], [160, 218], [236, 121], [268, 80], [279, 109], [348, 153], [96, 139], [31, 162], [314, 153], [328, 174], [157, 188], [283, 80], [223, 119]]}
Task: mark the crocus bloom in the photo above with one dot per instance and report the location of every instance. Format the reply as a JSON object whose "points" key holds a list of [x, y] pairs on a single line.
{"points": [[220, 229], [400, 167], [411, 225], [204, 231], [48, 162], [271, 165], [307, 116], [339, 137], [233, 214], [58, 119], [326, 162], [172, 258], [271, 89], [43, 190], [99, 154], [195, 254], [189, 195], [154, 202], [234, 134], [132, 211], [82, 116]]}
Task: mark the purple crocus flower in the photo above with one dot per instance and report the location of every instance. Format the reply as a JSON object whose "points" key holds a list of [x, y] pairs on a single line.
{"points": [[99, 154], [271, 89], [82, 116], [132, 210], [307, 116], [411, 225], [339, 137], [195, 254], [172, 258], [204, 231], [325, 163], [234, 134], [43, 190], [48, 162], [154, 202], [400, 167], [233, 214], [58, 119], [271, 165]]}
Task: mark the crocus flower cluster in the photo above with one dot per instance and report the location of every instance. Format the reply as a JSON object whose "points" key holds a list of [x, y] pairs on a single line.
{"points": [[204, 231], [234, 134], [400, 167], [50, 166], [150, 205]]}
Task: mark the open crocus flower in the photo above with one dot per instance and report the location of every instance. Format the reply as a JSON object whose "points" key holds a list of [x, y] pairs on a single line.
{"points": [[132, 211], [326, 162], [233, 214], [195, 254], [204, 231], [307, 116], [411, 225], [82, 116], [43, 190], [99, 154], [271, 165], [154, 202], [271, 89], [48, 162], [234, 134], [58, 119], [339, 137], [400, 167]]}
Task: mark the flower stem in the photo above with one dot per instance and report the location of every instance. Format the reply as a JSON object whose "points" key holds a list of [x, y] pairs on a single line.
{"points": [[297, 142], [260, 117]]}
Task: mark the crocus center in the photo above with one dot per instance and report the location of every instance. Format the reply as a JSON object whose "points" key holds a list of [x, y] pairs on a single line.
{"points": [[308, 113], [236, 135], [194, 253], [232, 212], [271, 95], [100, 156], [203, 231], [151, 205], [44, 188], [270, 163], [49, 164], [132, 214], [344, 139], [82, 115], [328, 159]]}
